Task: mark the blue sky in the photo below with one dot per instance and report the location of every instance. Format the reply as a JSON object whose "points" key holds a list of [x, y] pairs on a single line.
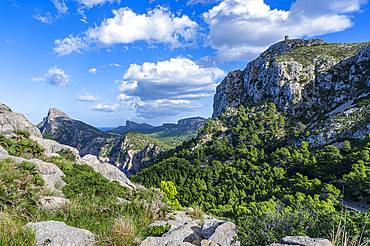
{"points": [[155, 61]]}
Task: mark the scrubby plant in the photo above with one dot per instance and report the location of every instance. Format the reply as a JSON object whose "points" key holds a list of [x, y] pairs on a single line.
{"points": [[12, 232], [170, 192], [20, 184], [158, 230], [67, 154]]}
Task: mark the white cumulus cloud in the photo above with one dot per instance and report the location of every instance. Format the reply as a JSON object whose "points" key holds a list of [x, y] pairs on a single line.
{"points": [[93, 70], [241, 29], [178, 78], [106, 108], [156, 26], [54, 76], [87, 97], [167, 88]]}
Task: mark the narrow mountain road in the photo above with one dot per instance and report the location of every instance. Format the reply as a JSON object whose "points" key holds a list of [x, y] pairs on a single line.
{"points": [[351, 205]]}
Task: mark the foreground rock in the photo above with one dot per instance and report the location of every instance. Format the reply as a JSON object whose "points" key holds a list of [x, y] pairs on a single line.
{"points": [[50, 202], [109, 171], [302, 241], [56, 233], [51, 146], [51, 174], [3, 151], [10, 121], [185, 231]]}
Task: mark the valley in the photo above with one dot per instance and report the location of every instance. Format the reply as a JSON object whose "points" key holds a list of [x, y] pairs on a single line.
{"points": [[289, 139]]}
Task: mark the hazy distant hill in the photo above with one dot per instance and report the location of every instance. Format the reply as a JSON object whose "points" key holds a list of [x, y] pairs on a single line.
{"points": [[172, 134]]}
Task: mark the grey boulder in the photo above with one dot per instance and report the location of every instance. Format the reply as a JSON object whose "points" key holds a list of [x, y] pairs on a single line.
{"points": [[3, 151], [302, 241], [10, 121], [56, 233], [51, 146], [49, 202]]}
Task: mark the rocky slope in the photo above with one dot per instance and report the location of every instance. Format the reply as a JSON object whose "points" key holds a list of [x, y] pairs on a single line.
{"points": [[321, 86], [10, 121], [132, 151], [60, 127]]}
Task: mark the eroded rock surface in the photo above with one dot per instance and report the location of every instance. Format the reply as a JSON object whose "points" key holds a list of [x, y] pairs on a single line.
{"points": [[10, 121], [56, 233], [302, 241]]}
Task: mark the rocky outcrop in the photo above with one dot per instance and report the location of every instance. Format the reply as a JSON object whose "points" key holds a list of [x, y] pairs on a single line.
{"points": [[49, 202], [3, 151], [132, 151], [308, 79], [60, 127], [302, 241], [51, 146], [108, 171], [10, 121], [191, 121], [51, 174], [56, 233], [186, 231]]}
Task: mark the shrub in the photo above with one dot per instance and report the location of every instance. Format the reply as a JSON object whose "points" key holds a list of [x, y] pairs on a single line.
{"points": [[158, 230]]}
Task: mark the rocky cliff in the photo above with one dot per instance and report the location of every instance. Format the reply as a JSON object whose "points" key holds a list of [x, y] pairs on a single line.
{"points": [[60, 127], [323, 85], [132, 151], [10, 121], [191, 121]]}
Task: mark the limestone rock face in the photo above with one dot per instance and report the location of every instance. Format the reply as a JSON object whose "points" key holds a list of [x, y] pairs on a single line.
{"points": [[60, 127], [132, 151], [56, 233], [3, 151], [111, 172], [185, 231], [302, 241], [51, 146], [10, 121], [309, 79], [191, 121]]}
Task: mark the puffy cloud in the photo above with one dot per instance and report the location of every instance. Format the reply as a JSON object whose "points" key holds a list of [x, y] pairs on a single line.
{"points": [[87, 97], [106, 108], [54, 76], [167, 88], [178, 78], [123, 97], [93, 70], [92, 3], [241, 29], [70, 44], [157, 26]]}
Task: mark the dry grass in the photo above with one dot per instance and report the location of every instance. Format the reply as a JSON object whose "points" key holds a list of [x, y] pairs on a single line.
{"points": [[341, 237], [197, 214], [12, 233], [123, 231]]}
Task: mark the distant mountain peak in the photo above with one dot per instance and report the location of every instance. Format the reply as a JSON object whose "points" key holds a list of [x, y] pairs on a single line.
{"points": [[55, 113], [132, 124]]}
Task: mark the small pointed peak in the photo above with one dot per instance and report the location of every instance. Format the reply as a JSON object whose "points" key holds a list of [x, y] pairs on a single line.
{"points": [[55, 113]]}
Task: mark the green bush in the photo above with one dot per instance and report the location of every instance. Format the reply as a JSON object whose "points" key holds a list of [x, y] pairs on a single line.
{"points": [[83, 181], [158, 230]]}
